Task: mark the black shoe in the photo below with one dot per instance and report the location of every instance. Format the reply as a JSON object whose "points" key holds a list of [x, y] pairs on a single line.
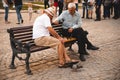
{"points": [[97, 20], [21, 21], [92, 48], [86, 53], [82, 58], [82, 17], [70, 64], [87, 18], [116, 17], [86, 32], [91, 18]]}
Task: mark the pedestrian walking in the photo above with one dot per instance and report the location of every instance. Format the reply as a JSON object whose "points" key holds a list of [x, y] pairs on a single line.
{"points": [[30, 11], [18, 7], [90, 7], [84, 9], [6, 7], [116, 5], [98, 9], [107, 4], [76, 3]]}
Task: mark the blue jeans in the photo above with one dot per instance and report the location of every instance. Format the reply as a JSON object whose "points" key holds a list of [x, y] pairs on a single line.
{"points": [[106, 11], [6, 13], [18, 9]]}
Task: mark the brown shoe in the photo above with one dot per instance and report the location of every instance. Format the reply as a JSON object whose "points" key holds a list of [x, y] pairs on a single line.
{"points": [[7, 22]]}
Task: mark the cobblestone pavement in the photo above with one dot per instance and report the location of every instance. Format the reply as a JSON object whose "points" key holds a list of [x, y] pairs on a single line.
{"points": [[103, 64]]}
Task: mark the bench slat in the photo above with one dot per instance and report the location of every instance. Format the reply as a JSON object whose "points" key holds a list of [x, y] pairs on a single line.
{"points": [[34, 48], [21, 28], [24, 37], [22, 31], [23, 34]]}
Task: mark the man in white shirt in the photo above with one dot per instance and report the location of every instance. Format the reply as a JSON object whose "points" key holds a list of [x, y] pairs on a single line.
{"points": [[42, 29]]}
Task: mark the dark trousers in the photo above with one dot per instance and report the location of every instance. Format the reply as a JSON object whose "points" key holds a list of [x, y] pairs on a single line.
{"points": [[6, 13], [116, 10], [81, 37], [18, 11], [107, 11], [85, 10], [98, 13], [46, 4], [60, 5]]}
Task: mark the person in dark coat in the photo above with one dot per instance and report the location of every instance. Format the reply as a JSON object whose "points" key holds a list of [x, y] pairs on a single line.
{"points": [[18, 6], [98, 9]]}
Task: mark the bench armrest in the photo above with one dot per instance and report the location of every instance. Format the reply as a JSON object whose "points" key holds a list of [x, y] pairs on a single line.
{"points": [[70, 39], [16, 43]]}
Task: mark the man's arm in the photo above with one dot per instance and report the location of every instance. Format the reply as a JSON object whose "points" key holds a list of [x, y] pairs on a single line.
{"points": [[59, 19], [56, 22], [53, 32]]}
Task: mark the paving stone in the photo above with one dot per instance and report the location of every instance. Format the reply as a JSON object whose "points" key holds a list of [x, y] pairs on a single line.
{"points": [[103, 64]]}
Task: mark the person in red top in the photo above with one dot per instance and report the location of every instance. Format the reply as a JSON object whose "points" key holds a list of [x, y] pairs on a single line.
{"points": [[56, 5]]}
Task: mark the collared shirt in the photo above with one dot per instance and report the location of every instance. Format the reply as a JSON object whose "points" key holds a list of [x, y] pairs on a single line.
{"points": [[70, 21]]}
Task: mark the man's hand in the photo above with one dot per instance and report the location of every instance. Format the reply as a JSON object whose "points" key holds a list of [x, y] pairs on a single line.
{"points": [[70, 30], [62, 39]]}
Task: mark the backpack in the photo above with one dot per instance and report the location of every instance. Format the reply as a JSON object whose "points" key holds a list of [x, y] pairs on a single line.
{"points": [[9, 1]]}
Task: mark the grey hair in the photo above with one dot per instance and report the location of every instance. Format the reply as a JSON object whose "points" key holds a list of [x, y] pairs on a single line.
{"points": [[71, 5]]}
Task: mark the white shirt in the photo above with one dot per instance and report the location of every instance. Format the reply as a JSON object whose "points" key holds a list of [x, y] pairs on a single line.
{"points": [[30, 10], [4, 4], [40, 26], [92, 1], [75, 1]]}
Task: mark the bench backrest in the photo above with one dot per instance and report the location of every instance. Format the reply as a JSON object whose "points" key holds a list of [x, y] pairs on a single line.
{"points": [[24, 34]]}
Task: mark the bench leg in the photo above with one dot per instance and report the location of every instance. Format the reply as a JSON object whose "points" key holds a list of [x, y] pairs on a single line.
{"points": [[12, 65], [27, 65]]}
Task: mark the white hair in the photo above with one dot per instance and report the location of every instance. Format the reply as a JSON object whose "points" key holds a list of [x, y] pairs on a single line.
{"points": [[71, 5]]}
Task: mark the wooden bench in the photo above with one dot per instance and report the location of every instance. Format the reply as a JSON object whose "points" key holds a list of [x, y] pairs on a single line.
{"points": [[21, 42]]}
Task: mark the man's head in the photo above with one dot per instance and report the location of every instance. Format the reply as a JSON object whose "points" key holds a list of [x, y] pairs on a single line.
{"points": [[50, 11], [71, 8]]}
